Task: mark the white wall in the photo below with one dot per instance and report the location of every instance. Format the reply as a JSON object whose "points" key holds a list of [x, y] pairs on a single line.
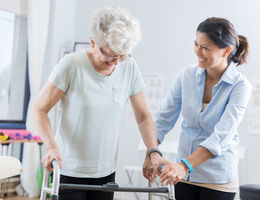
{"points": [[18, 7], [61, 33], [168, 32]]}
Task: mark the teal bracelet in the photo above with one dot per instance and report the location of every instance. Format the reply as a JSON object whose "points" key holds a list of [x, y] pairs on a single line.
{"points": [[187, 163]]}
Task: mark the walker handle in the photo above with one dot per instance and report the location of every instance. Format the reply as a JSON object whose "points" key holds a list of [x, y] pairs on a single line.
{"points": [[171, 192], [160, 167]]}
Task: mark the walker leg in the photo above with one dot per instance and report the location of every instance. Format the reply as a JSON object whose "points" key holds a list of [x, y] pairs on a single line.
{"points": [[44, 185], [149, 194], [54, 197]]}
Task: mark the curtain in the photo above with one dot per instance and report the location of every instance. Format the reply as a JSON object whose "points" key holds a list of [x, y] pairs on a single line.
{"points": [[39, 13], [18, 68]]}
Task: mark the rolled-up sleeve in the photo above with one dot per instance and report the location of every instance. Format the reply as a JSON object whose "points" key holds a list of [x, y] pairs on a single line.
{"points": [[226, 127], [169, 111]]}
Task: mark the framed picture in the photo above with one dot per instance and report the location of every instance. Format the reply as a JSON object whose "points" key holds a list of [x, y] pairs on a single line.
{"points": [[80, 46]]}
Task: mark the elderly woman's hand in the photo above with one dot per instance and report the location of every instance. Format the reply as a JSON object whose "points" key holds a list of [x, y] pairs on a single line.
{"points": [[150, 166], [148, 169], [53, 153], [172, 173]]}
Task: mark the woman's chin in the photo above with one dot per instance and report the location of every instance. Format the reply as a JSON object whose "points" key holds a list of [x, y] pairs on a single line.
{"points": [[109, 65], [202, 65]]}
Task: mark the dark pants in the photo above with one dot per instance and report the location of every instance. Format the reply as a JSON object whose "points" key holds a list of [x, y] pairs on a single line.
{"points": [[86, 195], [184, 191]]}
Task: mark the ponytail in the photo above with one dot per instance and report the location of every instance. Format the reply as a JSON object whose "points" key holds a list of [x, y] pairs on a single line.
{"points": [[240, 56]]}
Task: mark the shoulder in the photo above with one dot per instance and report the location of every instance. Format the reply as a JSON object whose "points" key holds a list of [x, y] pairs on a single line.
{"points": [[129, 66], [194, 70], [76, 57], [189, 72], [241, 88], [70, 61], [242, 81], [130, 63]]}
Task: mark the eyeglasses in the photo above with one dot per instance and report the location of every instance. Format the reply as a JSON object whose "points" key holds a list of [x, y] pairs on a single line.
{"points": [[112, 58]]}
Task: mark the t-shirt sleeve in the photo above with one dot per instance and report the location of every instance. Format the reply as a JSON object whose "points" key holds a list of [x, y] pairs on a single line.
{"points": [[137, 81], [61, 74]]}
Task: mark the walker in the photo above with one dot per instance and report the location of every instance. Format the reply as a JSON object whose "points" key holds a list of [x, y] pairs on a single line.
{"points": [[53, 190]]}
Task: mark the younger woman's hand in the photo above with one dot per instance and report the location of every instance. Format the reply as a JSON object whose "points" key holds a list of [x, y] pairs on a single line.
{"points": [[172, 173]]}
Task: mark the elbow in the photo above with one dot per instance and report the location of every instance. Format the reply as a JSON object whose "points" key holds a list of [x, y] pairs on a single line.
{"points": [[143, 117], [37, 112], [213, 148]]}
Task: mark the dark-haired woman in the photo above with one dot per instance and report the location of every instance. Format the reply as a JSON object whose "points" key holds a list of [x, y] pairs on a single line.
{"points": [[212, 97]]}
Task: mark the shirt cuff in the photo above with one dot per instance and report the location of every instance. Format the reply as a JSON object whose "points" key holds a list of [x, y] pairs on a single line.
{"points": [[160, 137], [213, 146]]}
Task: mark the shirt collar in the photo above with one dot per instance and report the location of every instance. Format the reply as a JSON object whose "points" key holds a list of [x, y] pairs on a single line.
{"points": [[199, 72], [229, 76]]}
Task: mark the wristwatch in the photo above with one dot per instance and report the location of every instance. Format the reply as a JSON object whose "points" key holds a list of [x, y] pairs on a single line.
{"points": [[154, 150]]}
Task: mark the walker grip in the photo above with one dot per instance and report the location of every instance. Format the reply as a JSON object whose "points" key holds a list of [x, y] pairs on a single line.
{"points": [[160, 167]]}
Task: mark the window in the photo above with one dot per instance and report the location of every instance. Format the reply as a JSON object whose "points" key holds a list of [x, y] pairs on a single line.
{"points": [[14, 82]]}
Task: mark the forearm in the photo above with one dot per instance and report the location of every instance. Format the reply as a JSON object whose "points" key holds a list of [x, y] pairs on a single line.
{"points": [[199, 156], [148, 132], [144, 120], [43, 128]]}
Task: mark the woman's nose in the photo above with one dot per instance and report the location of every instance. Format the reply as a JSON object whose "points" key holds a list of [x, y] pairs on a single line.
{"points": [[197, 50], [116, 60]]}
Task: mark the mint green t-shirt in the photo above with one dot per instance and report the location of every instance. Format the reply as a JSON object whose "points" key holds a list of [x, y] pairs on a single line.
{"points": [[91, 109]]}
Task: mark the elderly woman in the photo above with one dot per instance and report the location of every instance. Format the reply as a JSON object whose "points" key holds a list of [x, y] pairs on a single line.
{"points": [[94, 86]]}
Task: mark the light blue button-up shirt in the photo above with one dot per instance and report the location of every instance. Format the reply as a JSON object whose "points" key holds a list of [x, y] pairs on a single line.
{"points": [[215, 128]]}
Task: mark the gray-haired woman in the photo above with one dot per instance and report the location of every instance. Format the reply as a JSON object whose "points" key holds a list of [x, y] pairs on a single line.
{"points": [[94, 86]]}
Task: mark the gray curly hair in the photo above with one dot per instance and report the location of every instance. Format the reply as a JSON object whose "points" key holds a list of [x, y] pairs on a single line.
{"points": [[116, 27]]}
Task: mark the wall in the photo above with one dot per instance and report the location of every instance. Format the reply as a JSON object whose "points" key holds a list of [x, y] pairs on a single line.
{"points": [[168, 33], [18, 7], [61, 33]]}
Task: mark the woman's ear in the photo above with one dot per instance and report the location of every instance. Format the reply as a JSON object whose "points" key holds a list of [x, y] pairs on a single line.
{"points": [[92, 43], [227, 51]]}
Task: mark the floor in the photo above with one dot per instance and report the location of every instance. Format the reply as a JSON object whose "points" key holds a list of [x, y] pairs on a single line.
{"points": [[20, 198], [23, 198]]}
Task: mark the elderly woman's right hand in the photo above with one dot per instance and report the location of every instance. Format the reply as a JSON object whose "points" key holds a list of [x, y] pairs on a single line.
{"points": [[53, 153], [148, 169]]}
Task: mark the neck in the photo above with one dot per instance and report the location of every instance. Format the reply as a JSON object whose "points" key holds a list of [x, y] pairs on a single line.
{"points": [[215, 73], [105, 72]]}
